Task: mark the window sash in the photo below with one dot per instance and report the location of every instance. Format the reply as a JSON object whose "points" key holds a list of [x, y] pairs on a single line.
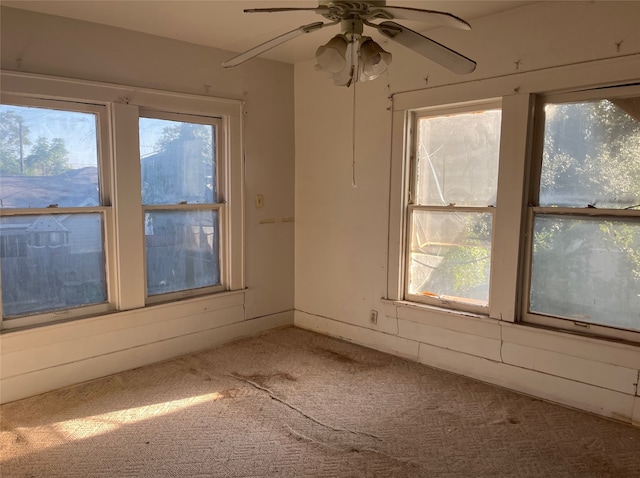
{"points": [[223, 263], [533, 210], [446, 301], [78, 311], [105, 210], [218, 205]]}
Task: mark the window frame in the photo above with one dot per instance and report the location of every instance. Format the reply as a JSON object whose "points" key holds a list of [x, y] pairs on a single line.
{"points": [[534, 209], [219, 205], [105, 209], [123, 228], [446, 302]]}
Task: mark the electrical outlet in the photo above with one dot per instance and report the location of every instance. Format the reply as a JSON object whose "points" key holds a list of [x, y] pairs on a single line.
{"points": [[373, 316]]}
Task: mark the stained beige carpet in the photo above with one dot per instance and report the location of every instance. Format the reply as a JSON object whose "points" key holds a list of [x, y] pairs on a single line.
{"points": [[294, 403]]}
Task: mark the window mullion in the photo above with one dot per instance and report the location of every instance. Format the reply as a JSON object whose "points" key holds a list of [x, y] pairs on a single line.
{"points": [[129, 233], [517, 112]]}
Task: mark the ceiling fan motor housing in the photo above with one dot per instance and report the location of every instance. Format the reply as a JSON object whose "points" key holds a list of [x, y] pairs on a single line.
{"points": [[341, 10]]}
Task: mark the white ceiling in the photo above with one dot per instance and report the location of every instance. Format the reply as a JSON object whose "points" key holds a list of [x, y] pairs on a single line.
{"points": [[222, 23]]}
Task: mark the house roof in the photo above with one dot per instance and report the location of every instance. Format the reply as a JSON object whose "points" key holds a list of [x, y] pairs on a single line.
{"points": [[47, 224], [77, 187]]}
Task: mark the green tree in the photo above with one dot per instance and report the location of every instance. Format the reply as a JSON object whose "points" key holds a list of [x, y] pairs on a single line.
{"points": [[13, 142], [185, 132], [47, 158], [591, 158]]}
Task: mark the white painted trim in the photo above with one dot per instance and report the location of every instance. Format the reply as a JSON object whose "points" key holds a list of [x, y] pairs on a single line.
{"points": [[174, 337], [590, 74], [370, 338], [152, 315], [129, 267], [55, 87], [515, 153]]}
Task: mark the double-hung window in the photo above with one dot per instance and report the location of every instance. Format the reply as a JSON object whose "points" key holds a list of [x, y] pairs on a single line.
{"points": [[55, 212], [115, 200], [584, 221], [453, 187], [181, 197]]}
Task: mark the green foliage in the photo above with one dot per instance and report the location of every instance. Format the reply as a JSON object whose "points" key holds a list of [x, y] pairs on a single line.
{"points": [[467, 266], [13, 138], [591, 154], [627, 239], [589, 267], [44, 158], [47, 158]]}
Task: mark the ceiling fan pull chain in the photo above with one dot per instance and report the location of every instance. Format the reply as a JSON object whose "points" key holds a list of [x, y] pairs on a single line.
{"points": [[353, 140]]}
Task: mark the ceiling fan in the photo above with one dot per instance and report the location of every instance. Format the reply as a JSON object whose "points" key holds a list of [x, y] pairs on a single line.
{"points": [[349, 56]]}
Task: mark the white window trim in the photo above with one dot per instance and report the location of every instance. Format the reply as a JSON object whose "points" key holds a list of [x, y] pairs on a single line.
{"points": [[567, 324], [518, 92], [105, 209], [123, 220], [222, 166], [457, 303]]}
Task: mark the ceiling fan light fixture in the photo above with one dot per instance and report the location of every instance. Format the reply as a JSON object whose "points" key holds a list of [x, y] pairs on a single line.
{"points": [[351, 57], [373, 59], [331, 57]]}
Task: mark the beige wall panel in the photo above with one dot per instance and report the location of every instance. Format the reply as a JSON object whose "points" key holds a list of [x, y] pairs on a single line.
{"points": [[636, 412], [481, 326], [369, 338], [62, 352], [613, 377], [68, 331], [591, 348], [450, 339], [598, 400], [40, 381]]}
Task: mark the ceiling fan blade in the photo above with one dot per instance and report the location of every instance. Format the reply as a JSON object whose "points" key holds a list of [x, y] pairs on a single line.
{"points": [[274, 42], [285, 9], [428, 48], [419, 15]]}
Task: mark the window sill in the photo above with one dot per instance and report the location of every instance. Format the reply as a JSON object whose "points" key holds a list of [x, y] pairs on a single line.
{"points": [[207, 302], [434, 308]]}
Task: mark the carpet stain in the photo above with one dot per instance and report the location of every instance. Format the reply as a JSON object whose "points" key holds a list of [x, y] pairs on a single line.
{"points": [[263, 379], [337, 356], [229, 393]]}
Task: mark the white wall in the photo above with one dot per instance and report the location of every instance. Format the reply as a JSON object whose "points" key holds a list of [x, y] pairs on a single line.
{"points": [[44, 358], [342, 232]]}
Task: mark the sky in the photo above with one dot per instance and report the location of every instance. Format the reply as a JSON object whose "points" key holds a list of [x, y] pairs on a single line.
{"points": [[77, 129]]}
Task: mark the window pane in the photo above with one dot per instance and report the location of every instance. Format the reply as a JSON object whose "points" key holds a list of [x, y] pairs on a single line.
{"points": [[177, 161], [457, 159], [451, 255], [587, 269], [182, 250], [47, 157], [592, 154], [51, 262]]}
